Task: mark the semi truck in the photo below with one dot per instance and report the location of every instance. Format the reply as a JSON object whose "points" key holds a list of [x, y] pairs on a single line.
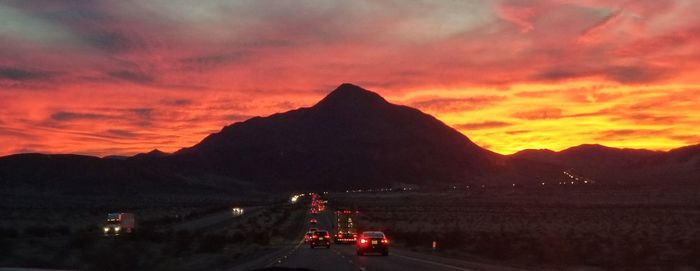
{"points": [[119, 223], [345, 226]]}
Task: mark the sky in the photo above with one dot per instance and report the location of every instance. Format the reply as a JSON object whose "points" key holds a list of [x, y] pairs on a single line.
{"points": [[121, 77]]}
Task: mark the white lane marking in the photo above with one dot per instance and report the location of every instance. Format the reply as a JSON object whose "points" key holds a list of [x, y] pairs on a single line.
{"points": [[433, 263]]}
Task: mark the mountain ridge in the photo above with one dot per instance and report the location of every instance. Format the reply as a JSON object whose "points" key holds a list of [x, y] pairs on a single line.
{"points": [[353, 137]]}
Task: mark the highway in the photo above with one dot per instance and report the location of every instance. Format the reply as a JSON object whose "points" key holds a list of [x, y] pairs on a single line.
{"points": [[344, 258]]}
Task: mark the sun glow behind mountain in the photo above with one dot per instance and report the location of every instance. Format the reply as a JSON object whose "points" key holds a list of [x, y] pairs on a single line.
{"points": [[116, 77]]}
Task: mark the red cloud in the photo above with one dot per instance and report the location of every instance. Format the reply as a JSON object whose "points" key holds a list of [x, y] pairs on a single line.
{"points": [[80, 66]]}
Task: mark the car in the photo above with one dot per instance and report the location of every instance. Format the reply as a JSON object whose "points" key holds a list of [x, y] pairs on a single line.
{"points": [[307, 237], [313, 221], [320, 238], [372, 242]]}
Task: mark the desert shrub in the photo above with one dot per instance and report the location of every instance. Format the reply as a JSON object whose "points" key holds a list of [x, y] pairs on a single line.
{"points": [[261, 238], [454, 239], [7, 246], [82, 239], [146, 234], [236, 237], [8, 233], [41, 231], [116, 255], [180, 244], [415, 239], [211, 243]]}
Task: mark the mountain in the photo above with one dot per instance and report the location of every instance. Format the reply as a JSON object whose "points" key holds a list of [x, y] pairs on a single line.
{"points": [[353, 137], [622, 166]]}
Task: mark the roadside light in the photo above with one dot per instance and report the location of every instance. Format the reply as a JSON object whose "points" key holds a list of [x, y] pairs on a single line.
{"points": [[106, 229]]}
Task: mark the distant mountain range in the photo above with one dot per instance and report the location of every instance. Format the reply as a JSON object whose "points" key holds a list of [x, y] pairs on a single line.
{"points": [[352, 138], [623, 166]]}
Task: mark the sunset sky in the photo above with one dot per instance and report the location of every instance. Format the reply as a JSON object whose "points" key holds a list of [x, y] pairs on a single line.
{"points": [[123, 77]]}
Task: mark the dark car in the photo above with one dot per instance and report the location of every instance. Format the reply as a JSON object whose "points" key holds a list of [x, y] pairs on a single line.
{"points": [[373, 242], [320, 238]]}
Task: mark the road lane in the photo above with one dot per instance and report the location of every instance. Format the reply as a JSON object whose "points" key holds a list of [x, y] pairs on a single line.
{"points": [[343, 257], [278, 254]]}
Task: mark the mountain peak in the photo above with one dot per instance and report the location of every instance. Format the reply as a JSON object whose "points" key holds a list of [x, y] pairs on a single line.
{"points": [[349, 95], [153, 153]]}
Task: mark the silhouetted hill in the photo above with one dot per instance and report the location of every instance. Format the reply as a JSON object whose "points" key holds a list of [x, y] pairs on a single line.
{"points": [[623, 166], [56, 177], [352, 137]]}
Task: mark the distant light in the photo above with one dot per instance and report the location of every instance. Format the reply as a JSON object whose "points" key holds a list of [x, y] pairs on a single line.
{"points": [[542, 183]]}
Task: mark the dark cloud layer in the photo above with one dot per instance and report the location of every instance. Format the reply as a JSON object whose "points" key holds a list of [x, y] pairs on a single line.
{"points": [[482, 125], [23, 74]]}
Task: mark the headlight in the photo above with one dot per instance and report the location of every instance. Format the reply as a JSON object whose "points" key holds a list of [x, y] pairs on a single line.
{"points": [[117, 228], [106, 229]]}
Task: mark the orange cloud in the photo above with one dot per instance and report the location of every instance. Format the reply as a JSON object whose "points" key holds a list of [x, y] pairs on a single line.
{"points": [[540, 113], [481, 125], [123, 79]]}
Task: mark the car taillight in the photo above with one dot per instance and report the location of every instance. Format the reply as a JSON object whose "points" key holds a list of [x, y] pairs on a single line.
{"points": [[328, 236], [363, 241], [385, 241], [315, 237]]}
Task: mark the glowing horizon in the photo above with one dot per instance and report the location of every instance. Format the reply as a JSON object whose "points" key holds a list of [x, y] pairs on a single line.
{"points": [[120, 78]]}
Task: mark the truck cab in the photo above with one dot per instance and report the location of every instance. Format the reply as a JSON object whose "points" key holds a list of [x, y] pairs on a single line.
{"points": [[119, 223]]}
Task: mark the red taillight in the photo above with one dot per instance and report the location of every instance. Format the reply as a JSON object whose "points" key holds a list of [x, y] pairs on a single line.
{"points": [[315, 237], [328, 236], [363, 241], [385, 241]]}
